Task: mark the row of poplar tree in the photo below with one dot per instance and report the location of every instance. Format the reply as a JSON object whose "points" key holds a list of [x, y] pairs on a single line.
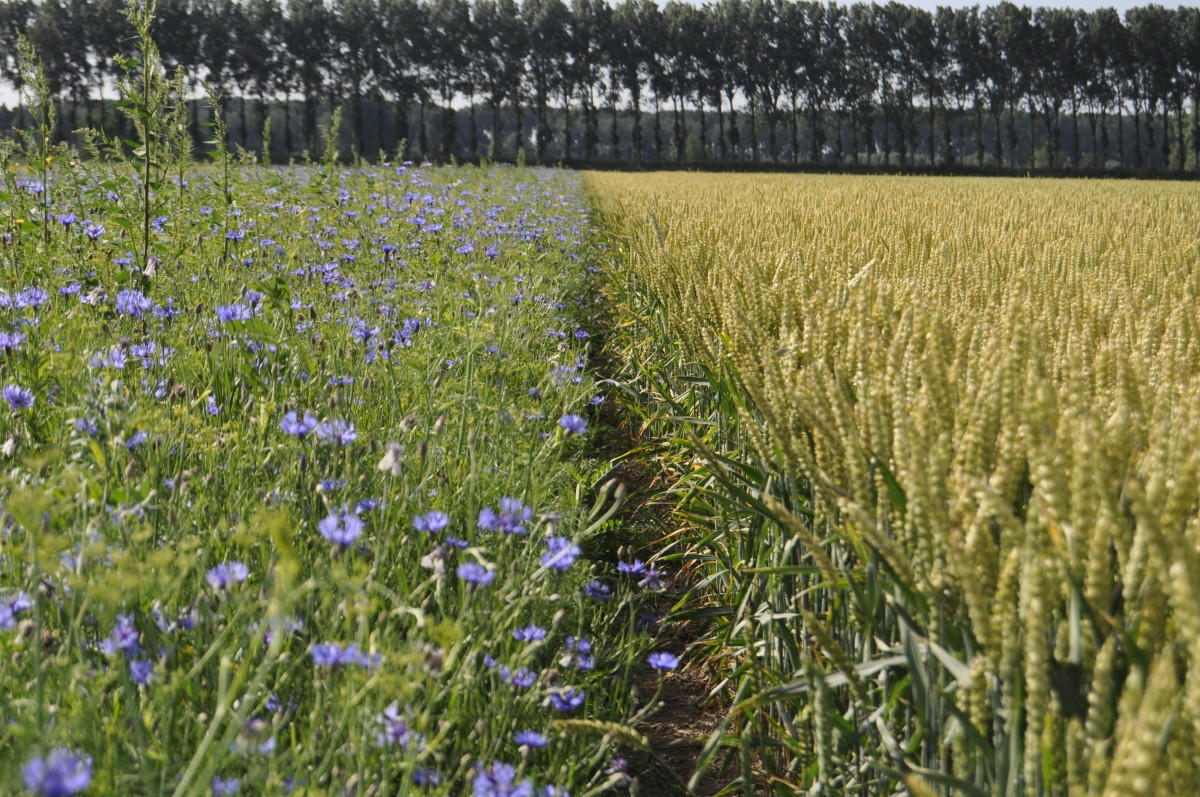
{"points": [[750, 80]]}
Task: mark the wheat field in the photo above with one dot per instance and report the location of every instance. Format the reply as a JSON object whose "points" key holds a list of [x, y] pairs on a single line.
{"points": [[948, 515]]}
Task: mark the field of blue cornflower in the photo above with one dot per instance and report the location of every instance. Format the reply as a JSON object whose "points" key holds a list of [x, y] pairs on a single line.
{"points": [[296, 488]]}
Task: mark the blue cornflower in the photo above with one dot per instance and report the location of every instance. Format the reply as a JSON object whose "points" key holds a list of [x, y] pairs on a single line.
{"points": [[636, 568], [510, 520], [132, 302], [298, 427], [499, 781], [67, 219], [341, 529], [424, 776], [530, 738], [140, 670], [138, 439], [93, 230], [663, 660], [168, 310], [523, 678], [579, 653], [114, 358], [573, 424], [124, 637], [59, 774], [567, 699], [11, 340], [233, 312], [227, 573], [359, 331], [597, 591], [18, 398], [530, 633], [475, 573], [337, 432], [432, 522], [561, 554], [31, 297], [225, 787], [10, 609], [331, 654], [395, 731]]}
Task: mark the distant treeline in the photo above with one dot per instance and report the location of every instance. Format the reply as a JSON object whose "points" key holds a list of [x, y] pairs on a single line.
{"points": [[746, 81]]}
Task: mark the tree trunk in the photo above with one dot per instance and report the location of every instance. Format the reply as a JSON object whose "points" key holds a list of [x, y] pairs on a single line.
{"points": [[422, 133], [402, 148], [721, 143], [1095, 143], [494, 144], [735, 136], [567, 122], [635, 132], [614, 137], [753, 129]]}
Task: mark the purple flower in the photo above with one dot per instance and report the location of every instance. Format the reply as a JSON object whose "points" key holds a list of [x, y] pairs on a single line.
{"points": [[597, 591], [567, 699], [136, 440], [18, 398], [395, 730], [573, 424], [225, 788], [523, 678], [530, 738], [31, 297], [11, 340], [663, 660], [530, 633], [424, 776], [510, 520], [331, 654], [67, 219], [114, 358], [59, 774], [341, 529], [337, 432], [561, 554], [298, 427], [652, 579], [93, 230], [10, 609], [579, 653], [124, 637], [233, 312], [431, 522], [475, 573], [637, 568], [140, 671], [500, 781], [131, 302], [227, 573]]}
